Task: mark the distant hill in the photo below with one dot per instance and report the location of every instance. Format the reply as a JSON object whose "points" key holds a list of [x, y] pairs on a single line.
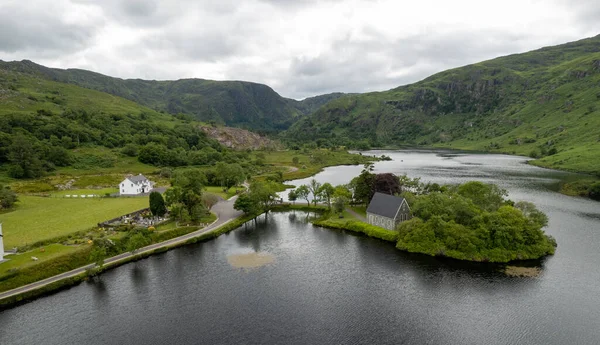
{"points": [[544, 103], [233, 103], [48, 126]]}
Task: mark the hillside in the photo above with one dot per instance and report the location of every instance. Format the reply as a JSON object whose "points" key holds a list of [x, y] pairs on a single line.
{"points": [[544, 103], [233, 103], [47, 126]]}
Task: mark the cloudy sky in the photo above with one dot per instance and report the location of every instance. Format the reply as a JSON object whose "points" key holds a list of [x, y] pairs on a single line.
{"points": [[300, 48]]}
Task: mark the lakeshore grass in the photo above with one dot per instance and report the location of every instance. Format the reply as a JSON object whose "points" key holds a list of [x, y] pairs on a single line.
{"points": [[351, 223]]}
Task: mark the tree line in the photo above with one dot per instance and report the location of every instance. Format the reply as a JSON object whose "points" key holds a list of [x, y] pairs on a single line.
{"points": [[34, 144]]}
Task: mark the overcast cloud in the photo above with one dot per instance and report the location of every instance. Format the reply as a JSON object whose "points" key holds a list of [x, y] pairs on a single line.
{"points": [[301, 48]]}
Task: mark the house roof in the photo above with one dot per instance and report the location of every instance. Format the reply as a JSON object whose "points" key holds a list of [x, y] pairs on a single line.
{"points": [[385, 205], [138, 178]]}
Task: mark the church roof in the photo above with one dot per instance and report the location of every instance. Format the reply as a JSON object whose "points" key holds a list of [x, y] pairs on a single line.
{"points": [[385, 205]]}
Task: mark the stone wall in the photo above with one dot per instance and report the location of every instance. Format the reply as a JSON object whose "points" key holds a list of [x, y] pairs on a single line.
{"points": [[384, 222]]}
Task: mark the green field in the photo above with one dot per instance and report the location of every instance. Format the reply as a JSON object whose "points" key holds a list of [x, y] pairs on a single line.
{"points": [[23, 260], [310, 162], [219, 191], [38, 218]]}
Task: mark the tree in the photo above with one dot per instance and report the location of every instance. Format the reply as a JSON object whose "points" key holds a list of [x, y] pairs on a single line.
{"points": [[157, 204], [326, 192], [314, 188], [229, 175], [24, 158], [264, 194], [362, 185], [488, 197], [341, 196], [295, 160], [246, 204], [7, 197], [386, 183], [190, 184], [136, 241], [209, 200], [303, 192], [98, 254], [292, 196]]}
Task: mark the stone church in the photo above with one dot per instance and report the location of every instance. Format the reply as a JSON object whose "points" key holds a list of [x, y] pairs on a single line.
{"points": [[387, 211]]}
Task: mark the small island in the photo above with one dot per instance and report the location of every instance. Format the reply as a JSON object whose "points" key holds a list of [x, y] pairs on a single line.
{"points": [[473, 221]]}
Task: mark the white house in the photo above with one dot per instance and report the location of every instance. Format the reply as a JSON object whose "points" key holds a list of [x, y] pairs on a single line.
{"points": [[135, 185], [1, 244]]}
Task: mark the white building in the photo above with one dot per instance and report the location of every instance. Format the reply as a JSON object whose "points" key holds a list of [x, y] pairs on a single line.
{"points": [[1, 244], [135, 185]]}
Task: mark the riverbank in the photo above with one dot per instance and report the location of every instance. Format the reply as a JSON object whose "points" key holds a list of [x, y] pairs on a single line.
{"points": [[64, 280]]}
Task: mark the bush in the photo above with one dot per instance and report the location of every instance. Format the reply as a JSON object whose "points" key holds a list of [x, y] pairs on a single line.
{"points": [[595, 191]]}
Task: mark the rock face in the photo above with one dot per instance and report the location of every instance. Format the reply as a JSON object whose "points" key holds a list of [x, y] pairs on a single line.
{"points": [[240, 139]]}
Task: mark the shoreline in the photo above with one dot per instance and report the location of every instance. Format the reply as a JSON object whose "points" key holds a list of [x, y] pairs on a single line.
{"points": [[47, 286], [13, 297]]}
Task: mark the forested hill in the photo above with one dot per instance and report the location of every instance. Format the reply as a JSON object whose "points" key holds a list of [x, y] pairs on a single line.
{"points": [[544, 103], [233, 103], [47, 125]]}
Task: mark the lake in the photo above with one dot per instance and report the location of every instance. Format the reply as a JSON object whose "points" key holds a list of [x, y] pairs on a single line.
{"points": [[281, 280]]}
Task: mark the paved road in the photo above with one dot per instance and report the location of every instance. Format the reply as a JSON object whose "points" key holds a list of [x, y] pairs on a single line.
{"points": [[224, 210]]}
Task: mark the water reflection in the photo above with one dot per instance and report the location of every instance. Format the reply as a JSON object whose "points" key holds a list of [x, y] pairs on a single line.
{"points": [[330, 287]]}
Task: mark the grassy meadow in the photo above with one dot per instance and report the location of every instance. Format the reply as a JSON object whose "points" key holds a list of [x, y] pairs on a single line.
{"points": [[39, 218]]}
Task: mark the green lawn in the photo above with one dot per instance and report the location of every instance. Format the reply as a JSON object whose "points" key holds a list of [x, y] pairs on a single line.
{"points": [[360, 209], [23, 260], [100, 192], [219, 191], [37, 218]]}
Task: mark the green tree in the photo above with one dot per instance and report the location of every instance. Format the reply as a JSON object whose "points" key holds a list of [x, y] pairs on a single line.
{"points": [[314, 188], [98, 254], [191, 183], [24, 158], [303, 193], [341, 197], [137, 241], [362, 185], [157, 204], [246, 204], [292, 196], [264, 194], [326, 192], [229, 175], [7, 197], [488, 197]]}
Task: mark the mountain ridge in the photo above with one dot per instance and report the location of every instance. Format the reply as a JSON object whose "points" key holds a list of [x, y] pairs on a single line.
{"points": [[543, 103], [243, 104]]}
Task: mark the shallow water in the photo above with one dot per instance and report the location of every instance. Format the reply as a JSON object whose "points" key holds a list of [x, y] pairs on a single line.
{"points": [[329, 287]]}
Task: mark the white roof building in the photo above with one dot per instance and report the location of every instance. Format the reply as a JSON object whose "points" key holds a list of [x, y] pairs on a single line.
{"points": [[135, 185]]}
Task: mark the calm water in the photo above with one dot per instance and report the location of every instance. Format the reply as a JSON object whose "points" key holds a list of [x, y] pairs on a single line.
{"points": [[327, 287]]}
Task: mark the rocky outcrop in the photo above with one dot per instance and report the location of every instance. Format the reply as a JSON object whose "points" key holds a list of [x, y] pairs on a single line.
{"points": [[240, 139]]}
